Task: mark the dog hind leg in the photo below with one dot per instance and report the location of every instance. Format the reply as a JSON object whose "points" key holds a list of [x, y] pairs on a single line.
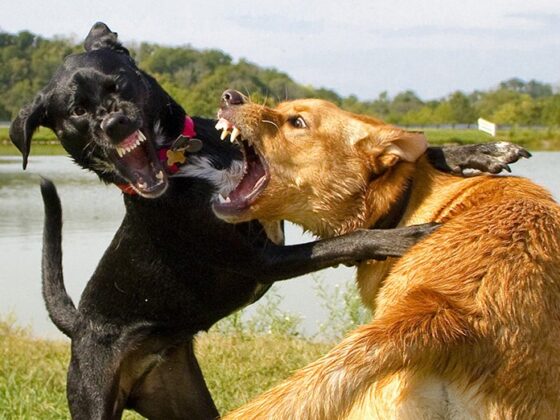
{"points": [[92, 383]]}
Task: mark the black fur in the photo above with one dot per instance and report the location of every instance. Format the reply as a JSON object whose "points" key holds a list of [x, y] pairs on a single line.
{"points": [[172, 269]]}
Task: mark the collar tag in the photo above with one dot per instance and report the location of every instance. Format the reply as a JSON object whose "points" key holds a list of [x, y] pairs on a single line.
{"points": [[186, 144]]}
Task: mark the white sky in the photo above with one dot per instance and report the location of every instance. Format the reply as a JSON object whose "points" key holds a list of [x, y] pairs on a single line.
{"points": [[362, 47]]}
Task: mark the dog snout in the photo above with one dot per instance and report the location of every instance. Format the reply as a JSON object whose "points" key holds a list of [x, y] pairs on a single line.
{"points": [[233, 97], [118, 126]]}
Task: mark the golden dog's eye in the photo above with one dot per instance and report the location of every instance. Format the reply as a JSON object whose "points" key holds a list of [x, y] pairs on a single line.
{"points": [[298, 122], [78, 111]]}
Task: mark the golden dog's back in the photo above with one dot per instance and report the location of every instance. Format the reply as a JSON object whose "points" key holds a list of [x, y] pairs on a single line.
{"points": [[495, 260]]}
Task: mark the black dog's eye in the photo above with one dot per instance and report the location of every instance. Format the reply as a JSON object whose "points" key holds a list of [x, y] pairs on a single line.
{"points": [[298, 122], [78, 111]]}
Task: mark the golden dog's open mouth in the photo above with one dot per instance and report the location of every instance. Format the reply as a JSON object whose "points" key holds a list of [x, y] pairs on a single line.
{"points": [[255, 173]]}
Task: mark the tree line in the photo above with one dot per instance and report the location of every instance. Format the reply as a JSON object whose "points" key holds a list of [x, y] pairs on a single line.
{"points": [[196, 78]]}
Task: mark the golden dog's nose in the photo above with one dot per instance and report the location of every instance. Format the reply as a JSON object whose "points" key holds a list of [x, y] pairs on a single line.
{"points": [[232, 97]]}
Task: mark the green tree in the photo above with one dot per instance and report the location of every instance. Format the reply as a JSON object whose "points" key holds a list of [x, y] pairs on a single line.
{"points": [[550, 114], [196, 79], [462, 111]]}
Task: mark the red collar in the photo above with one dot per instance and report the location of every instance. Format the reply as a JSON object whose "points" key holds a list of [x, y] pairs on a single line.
{"points": [[188, 131]]}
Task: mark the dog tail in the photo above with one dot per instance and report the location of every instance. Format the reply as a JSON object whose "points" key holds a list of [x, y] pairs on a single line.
{"points": [[60, 307]]}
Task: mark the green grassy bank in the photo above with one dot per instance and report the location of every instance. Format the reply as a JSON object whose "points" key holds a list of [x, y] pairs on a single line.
{"points": [[236, 367]]}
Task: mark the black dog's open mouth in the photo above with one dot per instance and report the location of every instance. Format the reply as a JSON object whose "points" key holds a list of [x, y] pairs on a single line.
{"points": [[255, 174], [138, 164]]}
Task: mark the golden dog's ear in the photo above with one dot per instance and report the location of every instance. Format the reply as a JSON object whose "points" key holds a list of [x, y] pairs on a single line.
{"points": [[406, 145], [385, 145]]}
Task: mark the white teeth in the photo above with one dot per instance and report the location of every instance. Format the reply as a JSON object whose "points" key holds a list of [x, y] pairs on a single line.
{"points": [[234, 134], [223, 199], [259, 182], [222, 124], [144, 185], [159, 175], [224, 134], [140, 137]]}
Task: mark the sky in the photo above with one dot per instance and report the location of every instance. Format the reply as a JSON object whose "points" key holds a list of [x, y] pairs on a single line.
{"points": [[365, 47]]}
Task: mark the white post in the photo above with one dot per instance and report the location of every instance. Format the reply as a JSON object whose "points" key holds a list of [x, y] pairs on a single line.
{"points": [[487, 127]]}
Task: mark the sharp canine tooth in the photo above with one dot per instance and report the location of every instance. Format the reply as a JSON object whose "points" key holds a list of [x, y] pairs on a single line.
{"points": [[224, 134], [159, 175], [234, 134]]}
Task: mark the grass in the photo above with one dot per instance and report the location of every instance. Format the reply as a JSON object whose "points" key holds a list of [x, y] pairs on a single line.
{"points": [[236, 367], [45, 143]]}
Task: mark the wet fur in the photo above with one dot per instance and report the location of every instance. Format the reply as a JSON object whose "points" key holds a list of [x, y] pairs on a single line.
{"points": [[466, 324]]}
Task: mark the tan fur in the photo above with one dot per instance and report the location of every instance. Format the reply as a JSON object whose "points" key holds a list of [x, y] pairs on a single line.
{"points": [[466, 324]]}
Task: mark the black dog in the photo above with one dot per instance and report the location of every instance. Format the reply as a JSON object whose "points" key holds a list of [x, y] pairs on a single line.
{"points": [[173, 269]]}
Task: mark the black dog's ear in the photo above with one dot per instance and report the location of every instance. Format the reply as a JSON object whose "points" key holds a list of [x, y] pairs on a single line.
{"points": [[28, 120], [100, 36]]}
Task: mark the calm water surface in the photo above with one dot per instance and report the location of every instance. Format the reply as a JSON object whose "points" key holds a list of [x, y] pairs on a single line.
{"points": [[92, 214]]}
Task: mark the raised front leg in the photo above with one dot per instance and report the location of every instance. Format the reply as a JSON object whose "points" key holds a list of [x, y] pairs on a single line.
{"points": [[284, 262], [485, 157]]}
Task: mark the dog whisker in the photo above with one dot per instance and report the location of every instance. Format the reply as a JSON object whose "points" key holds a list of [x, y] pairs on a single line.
{"points": [[271, 122]]}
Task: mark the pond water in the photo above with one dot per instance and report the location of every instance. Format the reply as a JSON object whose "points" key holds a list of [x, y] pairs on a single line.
{"points": [[92, 214]]}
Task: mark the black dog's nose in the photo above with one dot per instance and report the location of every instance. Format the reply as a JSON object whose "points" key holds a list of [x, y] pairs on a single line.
{"points": [[117, 126], [233, 97]]}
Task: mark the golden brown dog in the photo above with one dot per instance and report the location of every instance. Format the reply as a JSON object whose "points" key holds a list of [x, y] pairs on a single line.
{"points": [[466, 324]]}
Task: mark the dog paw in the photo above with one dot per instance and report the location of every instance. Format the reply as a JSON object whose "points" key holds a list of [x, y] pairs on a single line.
{"points": [[491, 158]]}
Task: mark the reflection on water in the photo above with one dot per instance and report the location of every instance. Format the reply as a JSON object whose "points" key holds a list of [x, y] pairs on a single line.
{"points": [[92, 213]]}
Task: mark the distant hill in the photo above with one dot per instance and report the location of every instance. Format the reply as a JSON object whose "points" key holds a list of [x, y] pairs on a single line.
{"points": [[196, 78]]}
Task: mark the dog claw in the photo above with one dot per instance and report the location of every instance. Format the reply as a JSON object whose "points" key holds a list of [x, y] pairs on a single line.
{"points": [[524, 153]]}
